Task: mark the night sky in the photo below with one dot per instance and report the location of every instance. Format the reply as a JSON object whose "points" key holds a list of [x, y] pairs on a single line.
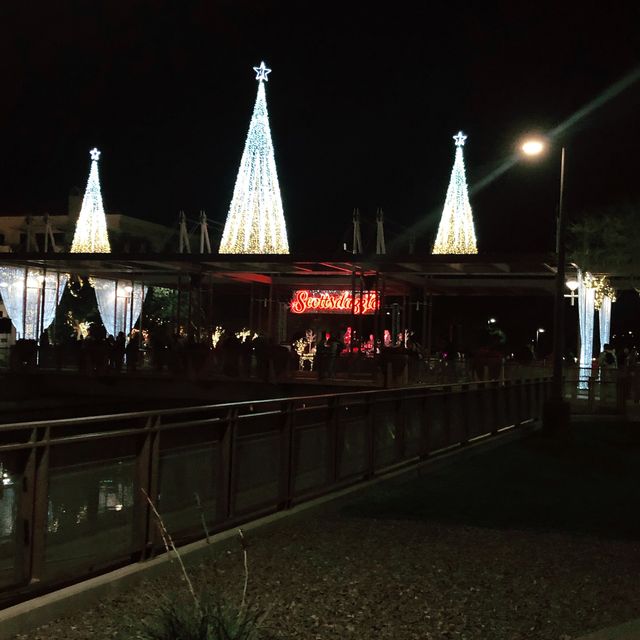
{"points": [[363, 106]]}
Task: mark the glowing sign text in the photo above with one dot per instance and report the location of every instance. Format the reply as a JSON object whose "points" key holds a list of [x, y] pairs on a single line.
{"points": [[306, 301]]}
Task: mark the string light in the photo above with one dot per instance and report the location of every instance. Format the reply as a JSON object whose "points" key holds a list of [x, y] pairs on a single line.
{"points": [[306, 349], [262, 72], [602, 288], [216, 336], [243, 334], [119, 304], [456, 233], [91, 229], [585, 317], [255, 222], [22, 292]]}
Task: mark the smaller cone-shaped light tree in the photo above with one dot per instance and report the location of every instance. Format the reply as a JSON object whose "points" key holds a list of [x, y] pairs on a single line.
{"points": [[255, 223], [91, 229], [456, 233]]}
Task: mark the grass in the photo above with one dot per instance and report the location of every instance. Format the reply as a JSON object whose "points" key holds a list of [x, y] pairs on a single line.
{"points": [[212, 620], [205, 616]]}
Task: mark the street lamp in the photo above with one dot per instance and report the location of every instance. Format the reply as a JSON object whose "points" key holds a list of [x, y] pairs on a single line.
{"points": [[572, 285], [538, 332], [556, 412]]}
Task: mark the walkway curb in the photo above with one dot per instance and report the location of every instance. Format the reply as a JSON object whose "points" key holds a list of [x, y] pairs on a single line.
{"points": [[627, 631], [37, 611]]}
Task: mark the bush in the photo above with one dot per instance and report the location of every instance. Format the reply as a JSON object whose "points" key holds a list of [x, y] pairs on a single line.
{"points": [[205, 616], [211, 620]]}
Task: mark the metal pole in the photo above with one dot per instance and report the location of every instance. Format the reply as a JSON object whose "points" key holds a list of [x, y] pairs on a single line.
{"points": [[42, 303], [210, 314], [423, 336], [353, 308], [360, 340], [190, 282], [179, 301], [115, 310], [133, 287], [142, 294], [430, 325], [269, 310], [558, 319], [24, 304], [57, 300], [376, 316], [383, 291], [251, 323]]}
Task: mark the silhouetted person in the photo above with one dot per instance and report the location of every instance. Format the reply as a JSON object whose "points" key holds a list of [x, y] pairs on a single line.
{"points": [[132, 351], [231, 355], [332, 351], [262, 348], [119, 346], [45, 349]]}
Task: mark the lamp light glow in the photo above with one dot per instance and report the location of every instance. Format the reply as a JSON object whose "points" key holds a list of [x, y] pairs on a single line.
{"points": [[572, 285], [532, 147]]}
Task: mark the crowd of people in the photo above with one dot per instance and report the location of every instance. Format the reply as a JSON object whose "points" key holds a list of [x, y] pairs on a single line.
{"points": [[176, 353], [260, 357]]}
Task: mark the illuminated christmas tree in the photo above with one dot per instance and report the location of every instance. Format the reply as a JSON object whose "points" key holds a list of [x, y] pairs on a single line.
{"points": [[255, 223], [456, 233], [91, 229]]}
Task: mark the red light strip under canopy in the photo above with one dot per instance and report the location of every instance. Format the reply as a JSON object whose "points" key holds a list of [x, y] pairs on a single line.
{"points": [[309, 301]]}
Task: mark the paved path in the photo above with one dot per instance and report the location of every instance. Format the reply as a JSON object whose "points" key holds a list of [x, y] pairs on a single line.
{"points": [[534, 540]]}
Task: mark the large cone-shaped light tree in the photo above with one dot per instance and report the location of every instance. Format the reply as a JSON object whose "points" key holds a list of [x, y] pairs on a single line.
{"points": [[119, 301], [456, 233], [255, 222], [91, 229]]}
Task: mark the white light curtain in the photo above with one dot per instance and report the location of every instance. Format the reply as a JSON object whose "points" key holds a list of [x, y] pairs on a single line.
{"points": [[119, 303], [605, 322], [29, 313], [586, 305]]}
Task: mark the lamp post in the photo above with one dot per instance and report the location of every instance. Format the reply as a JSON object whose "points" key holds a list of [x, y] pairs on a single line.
{"points": [[556, 410], [538, 332], [572, 285]]}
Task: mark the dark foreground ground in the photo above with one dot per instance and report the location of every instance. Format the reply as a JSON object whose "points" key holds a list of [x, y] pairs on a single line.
{"points": [[525, 541]]}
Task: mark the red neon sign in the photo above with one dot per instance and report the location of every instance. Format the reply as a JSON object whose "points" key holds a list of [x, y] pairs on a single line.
{"points": [[307, 301]]}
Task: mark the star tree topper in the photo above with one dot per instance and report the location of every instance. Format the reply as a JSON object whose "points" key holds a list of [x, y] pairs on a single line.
{"points": [[95, 154], [460, 138], [262, 72]]}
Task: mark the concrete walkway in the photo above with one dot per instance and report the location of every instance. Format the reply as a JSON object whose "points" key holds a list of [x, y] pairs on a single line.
{"points": [[627, 631]]}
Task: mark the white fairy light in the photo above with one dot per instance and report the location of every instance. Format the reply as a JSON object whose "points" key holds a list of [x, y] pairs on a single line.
{"points": [[604, 316], [456, 233], [28, 311], [243, 334], [119, 304], [216, 335], [586, 304], [262, 72], [91, 229], [603, 296], [255, 222], [460, 139]]}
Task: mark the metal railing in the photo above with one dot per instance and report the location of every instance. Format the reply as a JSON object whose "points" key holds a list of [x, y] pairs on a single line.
{"points": [[594, 390], [72, 502]]}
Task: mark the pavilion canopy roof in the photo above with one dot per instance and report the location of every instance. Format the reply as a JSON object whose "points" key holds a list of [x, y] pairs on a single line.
{"points": [[442, 275]]}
